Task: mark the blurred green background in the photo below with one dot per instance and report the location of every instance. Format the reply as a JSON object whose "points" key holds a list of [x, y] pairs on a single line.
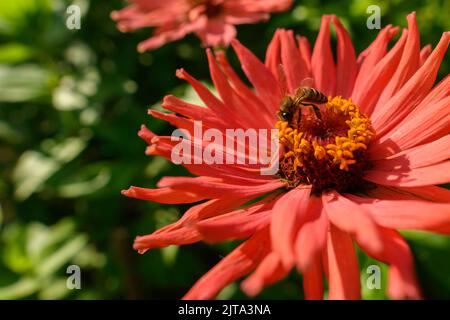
{"points": [[71, 103]]}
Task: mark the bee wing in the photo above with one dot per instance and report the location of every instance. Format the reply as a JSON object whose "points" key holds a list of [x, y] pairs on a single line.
{"points": [[282, 80], [307, 82]]}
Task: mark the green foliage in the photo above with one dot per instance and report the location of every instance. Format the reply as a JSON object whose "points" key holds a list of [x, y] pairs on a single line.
{"points": [[71, 102], [432, 262], [34, 255]]}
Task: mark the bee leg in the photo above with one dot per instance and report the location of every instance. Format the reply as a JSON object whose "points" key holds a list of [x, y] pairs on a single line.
{"points": [[315, 109], [298, 118]]}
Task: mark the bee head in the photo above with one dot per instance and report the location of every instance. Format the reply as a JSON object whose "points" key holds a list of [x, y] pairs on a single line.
{"points": [[286, 109]]}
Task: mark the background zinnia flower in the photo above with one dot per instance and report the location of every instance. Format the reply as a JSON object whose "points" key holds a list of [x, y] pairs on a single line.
{"points": [[308, 226], [213, 21]]}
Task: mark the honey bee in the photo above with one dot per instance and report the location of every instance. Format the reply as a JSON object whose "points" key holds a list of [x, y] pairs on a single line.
{"points": [[305, 96], [291, 106]]}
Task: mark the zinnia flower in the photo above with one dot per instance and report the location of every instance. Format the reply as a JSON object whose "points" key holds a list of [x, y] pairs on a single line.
{"points": [[212, 21], [355, 171]]}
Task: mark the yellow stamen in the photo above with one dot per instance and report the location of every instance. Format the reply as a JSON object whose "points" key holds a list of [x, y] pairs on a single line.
{"points": [[341, 152]]}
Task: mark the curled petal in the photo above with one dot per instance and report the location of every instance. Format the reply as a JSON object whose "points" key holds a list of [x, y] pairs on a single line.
{"points": [[238, 263], [429, 193], [231, 228], [438, 93], [433, 123], [273, 53], [412, 214], [215, 189], [402, 281], [313, 281], [424, 53], [346, 61], [247, 94], [408, 65], [312, 237], [353, 219], [270, 270], [163, 195], [404, 176], [182, 231], [207, 210], [288, 215], [208, 98], [322, 63], [181, 236], [296, 67], [367, 93], [192, 111], [343, 272], [417, 157], [414, 90], [238, 224], [305, 51], [262, 79], [247, 117], [370, 57], [146, 134]]}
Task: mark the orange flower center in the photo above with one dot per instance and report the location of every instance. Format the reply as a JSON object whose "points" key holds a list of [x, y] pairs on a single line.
{"points": [[326, 148]]}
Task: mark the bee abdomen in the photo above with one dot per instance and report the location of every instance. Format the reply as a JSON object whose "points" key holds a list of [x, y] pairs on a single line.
{"points": [[315, 96]]}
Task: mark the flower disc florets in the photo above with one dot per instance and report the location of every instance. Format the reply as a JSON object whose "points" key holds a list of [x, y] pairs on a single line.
{"points": [[329, 151]]}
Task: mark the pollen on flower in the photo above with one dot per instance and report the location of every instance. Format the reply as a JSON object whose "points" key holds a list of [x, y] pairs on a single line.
{"points": [[327, 152]]}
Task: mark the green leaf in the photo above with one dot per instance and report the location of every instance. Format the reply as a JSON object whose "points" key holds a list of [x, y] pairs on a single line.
{"points": [[21, 289], [62, 256], [15, 53], [9, 133], [228, 292], [14, 254], [169, 255], [14, 15], [41, 240], [431, 252], [87, 180], [34, 168], [25, 82], [56, 289]]}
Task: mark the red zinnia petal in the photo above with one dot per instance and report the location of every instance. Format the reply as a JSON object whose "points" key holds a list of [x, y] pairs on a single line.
{"points": [[238, 263], [322, 63], [288, 214], [343, 272]]}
